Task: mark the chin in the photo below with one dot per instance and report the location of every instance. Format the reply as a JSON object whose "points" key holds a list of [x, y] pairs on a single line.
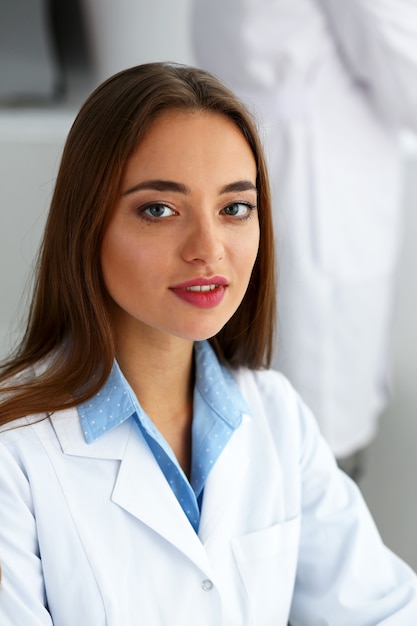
{"points": [[201, 334]]}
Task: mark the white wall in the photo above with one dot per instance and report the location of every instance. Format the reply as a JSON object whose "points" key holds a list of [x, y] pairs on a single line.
{"points": [[30, 147], [151, 31]]}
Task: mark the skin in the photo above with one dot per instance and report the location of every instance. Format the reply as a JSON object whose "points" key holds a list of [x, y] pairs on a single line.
{"points": [[201, 222]]}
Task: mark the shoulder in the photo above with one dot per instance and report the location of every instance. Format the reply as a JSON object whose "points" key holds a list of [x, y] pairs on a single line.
{"points": [[270, 388], [24, 435], [11, 385], [273, 402]]}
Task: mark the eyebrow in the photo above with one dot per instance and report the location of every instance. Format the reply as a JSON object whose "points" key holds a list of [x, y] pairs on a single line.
{"points": [[239, 185], [169, 185], [158, 185]]}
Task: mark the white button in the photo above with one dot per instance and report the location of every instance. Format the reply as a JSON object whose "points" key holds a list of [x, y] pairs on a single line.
{"points": [[207, 585]]}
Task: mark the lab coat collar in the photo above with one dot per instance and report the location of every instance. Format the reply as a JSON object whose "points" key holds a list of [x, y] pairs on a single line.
{"points": [[142, 490], [71, 437], [140, 487]]}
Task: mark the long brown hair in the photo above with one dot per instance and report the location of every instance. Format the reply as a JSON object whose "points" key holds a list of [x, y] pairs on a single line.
{"points": [[68, 331]]}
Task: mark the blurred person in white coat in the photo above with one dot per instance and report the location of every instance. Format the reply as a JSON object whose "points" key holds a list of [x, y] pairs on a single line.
{"points": [[332, 81]]}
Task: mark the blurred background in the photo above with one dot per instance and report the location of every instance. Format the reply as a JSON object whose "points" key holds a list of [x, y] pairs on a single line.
{"points": [[49, 62]]}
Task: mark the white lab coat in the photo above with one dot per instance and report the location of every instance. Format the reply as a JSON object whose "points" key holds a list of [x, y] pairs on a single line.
{"points": [[333, 81], [95, 533]]}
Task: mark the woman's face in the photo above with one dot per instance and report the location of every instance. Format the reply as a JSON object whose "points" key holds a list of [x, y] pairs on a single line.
{"points": [[180, 246]]}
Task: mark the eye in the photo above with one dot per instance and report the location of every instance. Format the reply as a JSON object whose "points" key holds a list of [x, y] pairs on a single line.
{"points": [[157, 211], [241, 210]]}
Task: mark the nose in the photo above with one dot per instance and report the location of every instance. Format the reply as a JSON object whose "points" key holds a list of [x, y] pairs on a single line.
{"points": [[203, 243]]}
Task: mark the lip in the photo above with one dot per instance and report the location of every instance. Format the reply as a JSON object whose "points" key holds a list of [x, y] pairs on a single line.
{"points": [[200, 281], [202, 292]]}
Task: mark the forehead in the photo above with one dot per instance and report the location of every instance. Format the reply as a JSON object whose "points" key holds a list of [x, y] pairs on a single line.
{"points": [[169, 118], [191, 140]]}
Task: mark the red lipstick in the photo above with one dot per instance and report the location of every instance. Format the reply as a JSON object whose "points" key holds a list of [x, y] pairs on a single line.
{"points": [[201, 292]]}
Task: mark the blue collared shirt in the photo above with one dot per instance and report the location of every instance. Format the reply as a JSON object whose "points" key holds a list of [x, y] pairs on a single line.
{"points": [[218, 407]]}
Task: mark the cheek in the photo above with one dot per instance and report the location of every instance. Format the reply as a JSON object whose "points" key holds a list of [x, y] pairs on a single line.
{"points": [[129, 265], [120, 262], [113, 258]]}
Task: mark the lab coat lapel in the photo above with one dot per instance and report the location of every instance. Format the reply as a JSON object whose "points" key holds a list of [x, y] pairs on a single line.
{"points": [[140, 488], [71, 438], [143, 491], [225, 480]]}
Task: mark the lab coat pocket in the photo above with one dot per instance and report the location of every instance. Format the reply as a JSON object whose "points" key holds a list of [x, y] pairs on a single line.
{"points": [[267, 562]]}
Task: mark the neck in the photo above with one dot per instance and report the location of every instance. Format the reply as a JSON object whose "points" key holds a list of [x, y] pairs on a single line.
{"points": [[161, 374]]}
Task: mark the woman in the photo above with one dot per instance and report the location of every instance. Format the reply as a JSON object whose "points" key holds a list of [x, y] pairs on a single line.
{"points": [[164, 475]]}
